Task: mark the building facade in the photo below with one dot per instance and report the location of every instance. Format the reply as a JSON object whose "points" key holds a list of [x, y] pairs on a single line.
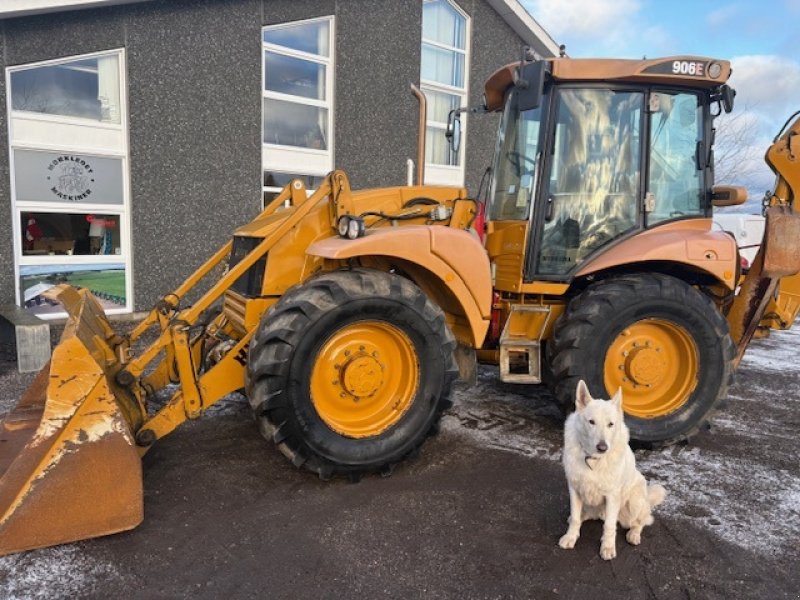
{"points": [[135, 136]]}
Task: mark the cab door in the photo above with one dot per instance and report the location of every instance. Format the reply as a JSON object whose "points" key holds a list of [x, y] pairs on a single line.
{"points": [[592, 187], [515, 176], [679, 166]]}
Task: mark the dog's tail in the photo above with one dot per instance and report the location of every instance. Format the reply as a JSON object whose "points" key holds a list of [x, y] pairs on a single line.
{"points": [[656, 494]]}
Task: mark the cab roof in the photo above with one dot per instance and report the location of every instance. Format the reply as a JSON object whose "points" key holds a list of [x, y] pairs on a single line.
{"points": [[691, 71]]}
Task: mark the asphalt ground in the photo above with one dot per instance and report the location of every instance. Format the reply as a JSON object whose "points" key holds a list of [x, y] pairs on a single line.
{"points": [[477, 515]]}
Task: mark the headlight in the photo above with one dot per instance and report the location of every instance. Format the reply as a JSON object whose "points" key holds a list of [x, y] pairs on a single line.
{"points": [[350, 227]]}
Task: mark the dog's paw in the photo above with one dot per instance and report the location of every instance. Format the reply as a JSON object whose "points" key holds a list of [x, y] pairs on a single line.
{"points": [[634, 537], [608, 552], [567, 541]]}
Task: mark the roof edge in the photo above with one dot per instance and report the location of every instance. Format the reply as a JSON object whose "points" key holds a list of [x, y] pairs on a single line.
{"points": [[24, 8], [526, 27], [512, 11]]}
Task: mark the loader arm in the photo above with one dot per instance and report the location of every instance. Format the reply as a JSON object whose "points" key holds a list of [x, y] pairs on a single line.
{"points": [[198, 393], [771, 288], [70, 449]]}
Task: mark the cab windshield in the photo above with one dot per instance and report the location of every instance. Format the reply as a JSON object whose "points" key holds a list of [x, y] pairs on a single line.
{"points": [[515, 163]]}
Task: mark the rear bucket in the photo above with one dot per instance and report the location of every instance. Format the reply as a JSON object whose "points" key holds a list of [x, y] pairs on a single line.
{"points": [[781, 250], [69, 468]]}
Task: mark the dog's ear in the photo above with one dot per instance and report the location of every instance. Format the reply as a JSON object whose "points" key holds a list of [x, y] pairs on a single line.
{"points": [[582, 396], [617, 400]]}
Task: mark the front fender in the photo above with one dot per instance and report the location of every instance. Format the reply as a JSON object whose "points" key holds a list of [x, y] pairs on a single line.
{"points": [[456, 258]]}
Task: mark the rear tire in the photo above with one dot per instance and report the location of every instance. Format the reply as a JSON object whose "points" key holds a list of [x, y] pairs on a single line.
{"points": [[661, 340], [349, 372]]}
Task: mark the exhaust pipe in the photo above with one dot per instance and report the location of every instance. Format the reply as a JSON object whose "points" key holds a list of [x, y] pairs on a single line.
{"points": [[423, 122]]}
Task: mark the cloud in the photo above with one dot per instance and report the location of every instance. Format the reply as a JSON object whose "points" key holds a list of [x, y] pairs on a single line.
{"points": [[581, 17], [607, 23], [768, 84], [720, 17], [766, 88]]}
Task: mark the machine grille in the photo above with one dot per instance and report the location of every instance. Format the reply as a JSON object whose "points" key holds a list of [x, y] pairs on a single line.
{"points": [[251, 282]]}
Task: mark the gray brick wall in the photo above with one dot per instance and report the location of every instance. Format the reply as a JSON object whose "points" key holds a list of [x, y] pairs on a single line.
{"points": [[194, 98]]}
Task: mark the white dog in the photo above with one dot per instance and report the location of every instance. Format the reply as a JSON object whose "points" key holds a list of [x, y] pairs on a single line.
{"points": [[601, 474]]}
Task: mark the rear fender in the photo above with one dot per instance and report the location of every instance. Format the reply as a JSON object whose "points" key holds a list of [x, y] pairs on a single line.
{"points": [[689, 242], [455, 258]]}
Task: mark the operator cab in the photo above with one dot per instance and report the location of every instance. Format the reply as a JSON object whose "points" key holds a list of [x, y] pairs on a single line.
{"points": [[606, 149]]}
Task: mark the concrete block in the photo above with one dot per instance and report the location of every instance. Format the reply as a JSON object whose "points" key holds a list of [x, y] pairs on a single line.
{"points": [[32, 338]]}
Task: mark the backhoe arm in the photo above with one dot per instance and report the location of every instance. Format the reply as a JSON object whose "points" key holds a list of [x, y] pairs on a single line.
{"points": [[777, 263]]}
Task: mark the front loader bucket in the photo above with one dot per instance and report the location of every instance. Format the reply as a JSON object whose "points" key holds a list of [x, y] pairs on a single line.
{"points": [[69, 468]]}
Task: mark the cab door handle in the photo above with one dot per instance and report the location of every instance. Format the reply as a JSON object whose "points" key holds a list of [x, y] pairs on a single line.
{"points": [[549, 209]]}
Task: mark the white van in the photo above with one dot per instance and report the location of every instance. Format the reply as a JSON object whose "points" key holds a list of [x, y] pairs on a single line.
{"points": [[748, 230]]}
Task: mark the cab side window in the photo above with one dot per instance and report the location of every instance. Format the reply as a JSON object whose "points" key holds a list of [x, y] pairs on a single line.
{"points": [[676, 133], [515, 174]]}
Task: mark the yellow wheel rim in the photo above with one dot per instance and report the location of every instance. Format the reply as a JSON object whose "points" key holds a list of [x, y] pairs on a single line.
{"points": [[655, 363], [364, 378]]}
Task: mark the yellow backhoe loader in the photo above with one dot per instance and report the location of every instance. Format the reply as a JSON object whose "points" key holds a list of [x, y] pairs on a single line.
{"points": [[347, 315]]}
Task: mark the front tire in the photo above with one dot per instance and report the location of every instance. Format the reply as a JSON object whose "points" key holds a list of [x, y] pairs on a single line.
{"points": [[663, 342], [349, 372]]}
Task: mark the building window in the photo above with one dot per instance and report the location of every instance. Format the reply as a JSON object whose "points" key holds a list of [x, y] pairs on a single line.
{"points": [[70, 192], [87, 88], [297, 101], [444, 79]]}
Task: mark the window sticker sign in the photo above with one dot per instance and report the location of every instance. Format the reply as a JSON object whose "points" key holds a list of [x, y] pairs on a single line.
{"points": [[66, 177]]}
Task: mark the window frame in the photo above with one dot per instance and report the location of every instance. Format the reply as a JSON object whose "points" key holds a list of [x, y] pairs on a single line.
{"points": [[283, 158], [67, 119], [53, 127], [438, 173]]}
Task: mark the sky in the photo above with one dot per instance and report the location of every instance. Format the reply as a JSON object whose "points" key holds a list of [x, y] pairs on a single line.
{"points": [[760, 38]]}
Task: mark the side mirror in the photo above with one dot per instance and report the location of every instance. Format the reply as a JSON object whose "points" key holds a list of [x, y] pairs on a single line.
{"points": [[728, 195], [453, 131], [727, 94], [529, 81]]}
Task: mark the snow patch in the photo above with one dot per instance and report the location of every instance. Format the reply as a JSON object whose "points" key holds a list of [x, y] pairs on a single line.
{"points": [[753, 505], [745, 503], [58, 572], [773, 353]]}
